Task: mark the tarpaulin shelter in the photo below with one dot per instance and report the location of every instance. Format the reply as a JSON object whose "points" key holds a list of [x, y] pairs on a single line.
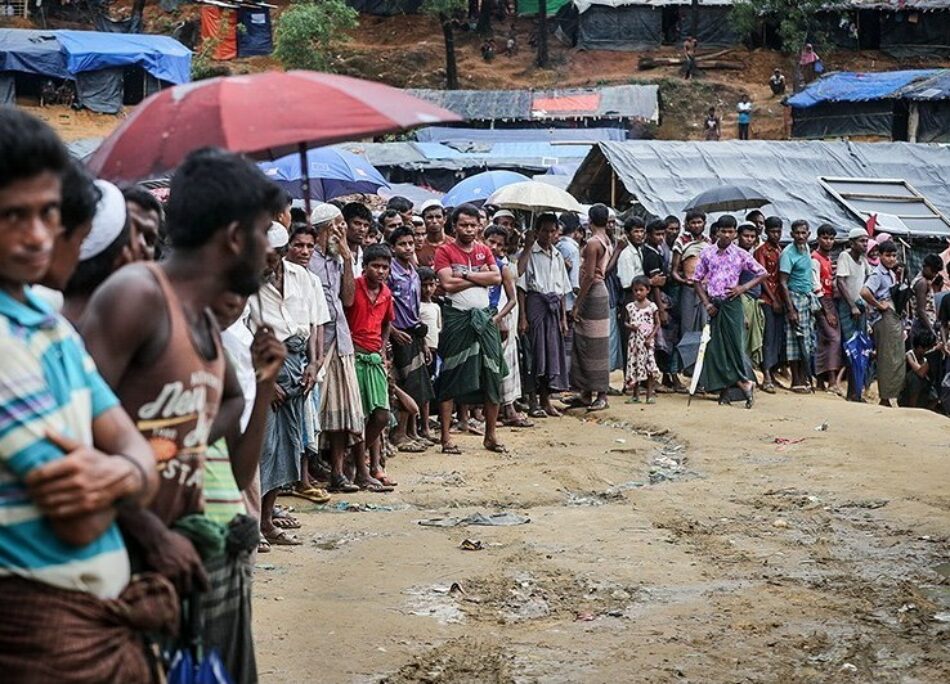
{"points": [[660, 177], [614, 106], [447, 134], [109, 69], [901, 27], [239, 31], [532, 7], [879, 104], [847, 103], [385, 8], [643, 24]]}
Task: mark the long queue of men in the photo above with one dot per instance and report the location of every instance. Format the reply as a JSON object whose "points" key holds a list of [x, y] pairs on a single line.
{"points": [[171, 371]]}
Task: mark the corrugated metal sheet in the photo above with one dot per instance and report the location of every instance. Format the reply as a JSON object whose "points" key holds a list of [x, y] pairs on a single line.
{"points": [[937, 87], [444, 134], [663, 175]]}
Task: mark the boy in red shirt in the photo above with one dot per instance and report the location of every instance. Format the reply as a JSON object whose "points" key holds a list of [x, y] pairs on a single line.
{"points": [[370, 318]]}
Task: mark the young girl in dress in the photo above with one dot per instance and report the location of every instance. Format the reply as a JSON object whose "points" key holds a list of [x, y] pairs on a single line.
{"points": [[643, 322]]}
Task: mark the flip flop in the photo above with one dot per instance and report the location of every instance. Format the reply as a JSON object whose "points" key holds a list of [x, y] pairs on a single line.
{"points": [[451, 449], [411, 448], [651, 400], [749, 397], [801, 389], [374, 486], [537, 413], [518, 423], [281, 538], [287, 523], [768, 388], [339, 483], [553, 413], [575, 402], [495, 448], [632, 400], [384, 479], [317, 496], [263, 546], [598, 405]]}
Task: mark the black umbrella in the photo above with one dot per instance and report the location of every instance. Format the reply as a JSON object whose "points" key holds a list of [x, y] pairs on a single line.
{"points": [[727, 198]]}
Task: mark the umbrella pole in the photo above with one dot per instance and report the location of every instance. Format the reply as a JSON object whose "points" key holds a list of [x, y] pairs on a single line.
{"points": [[305, 176]]}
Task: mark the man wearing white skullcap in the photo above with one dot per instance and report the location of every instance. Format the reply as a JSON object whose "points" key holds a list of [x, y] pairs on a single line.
{"points": [[341, 408], [105, 250], [287, 304], [433, 215]]}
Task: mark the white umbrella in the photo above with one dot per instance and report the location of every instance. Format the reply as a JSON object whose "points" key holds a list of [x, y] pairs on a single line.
{"points": [[534, 197]]}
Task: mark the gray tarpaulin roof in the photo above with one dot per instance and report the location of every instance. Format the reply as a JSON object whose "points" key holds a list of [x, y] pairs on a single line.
{"points": [[613, 102], [664, 175]]}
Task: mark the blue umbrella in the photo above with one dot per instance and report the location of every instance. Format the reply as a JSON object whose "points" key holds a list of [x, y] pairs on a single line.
{"points": [[477, 188], [331, 172]]}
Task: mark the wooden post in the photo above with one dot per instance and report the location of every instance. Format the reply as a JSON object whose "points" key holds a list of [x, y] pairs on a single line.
{"points": [[913, 122], [613, 188]]}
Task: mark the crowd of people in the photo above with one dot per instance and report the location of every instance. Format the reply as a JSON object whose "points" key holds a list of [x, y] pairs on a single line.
{"points": [[170, 371]]}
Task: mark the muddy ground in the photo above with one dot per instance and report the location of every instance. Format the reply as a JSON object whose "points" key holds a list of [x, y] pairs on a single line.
{"points": [[665, 543]]}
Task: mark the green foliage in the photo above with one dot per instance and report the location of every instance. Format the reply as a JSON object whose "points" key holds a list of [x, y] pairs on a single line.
{"points": [[307, 31], [443, 8], [797, 21]]}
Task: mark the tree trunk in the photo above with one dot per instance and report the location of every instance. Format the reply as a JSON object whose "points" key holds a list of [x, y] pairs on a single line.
{"points": [[451, 70], [138, 9], [484, 17], [543, 33], [694, 18]]}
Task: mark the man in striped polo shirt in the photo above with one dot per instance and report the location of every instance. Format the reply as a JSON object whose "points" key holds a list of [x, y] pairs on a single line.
{"points": [[69, 456]]}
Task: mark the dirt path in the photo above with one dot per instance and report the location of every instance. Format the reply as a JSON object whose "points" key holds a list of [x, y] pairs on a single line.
{"points": [[665, 543]]}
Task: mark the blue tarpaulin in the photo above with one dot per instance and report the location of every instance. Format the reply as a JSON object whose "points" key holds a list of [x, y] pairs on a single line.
{"points": [[63, 54], [163, 57], [256, 38], [32, 52], [846, 86]]}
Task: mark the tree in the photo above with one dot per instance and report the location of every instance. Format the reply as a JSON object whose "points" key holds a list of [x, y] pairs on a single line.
{"points": [[798, 21], [543, 33], [445, 11], [307, 32], [485, 9]]}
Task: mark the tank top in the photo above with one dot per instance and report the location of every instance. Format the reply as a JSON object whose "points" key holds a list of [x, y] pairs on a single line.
{"points": [[600, 268], [173, 402]]}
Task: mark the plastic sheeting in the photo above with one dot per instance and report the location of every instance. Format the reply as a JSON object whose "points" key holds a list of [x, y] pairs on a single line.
{"points": [[481, 105], [638, 26], [7, 89], [582, 105], [840, 119], [930, 31], [934, 122], [32, 52], [532, 7], [163, 57], [256, 38], [385, 8], [220, 25], [848, 86], [445, 134], [101, 91], [664, 175]]}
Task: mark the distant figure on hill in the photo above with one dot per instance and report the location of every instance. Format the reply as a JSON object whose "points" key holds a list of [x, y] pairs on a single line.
{"points": [[810, 63], [689, 55], [488, 50], [777, 82], [744, 107], [712, 125]]}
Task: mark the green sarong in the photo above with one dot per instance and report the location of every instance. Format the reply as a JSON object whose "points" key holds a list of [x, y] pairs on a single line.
{"points": [[754, 321], [725, 363], [372, 381], [473, 364]]}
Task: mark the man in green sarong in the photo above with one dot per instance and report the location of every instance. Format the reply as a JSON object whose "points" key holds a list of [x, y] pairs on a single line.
{"points": [[716, 280], [470, 346], [752, 313]]}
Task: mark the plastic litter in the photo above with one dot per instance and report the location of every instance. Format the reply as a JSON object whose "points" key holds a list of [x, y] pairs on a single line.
{"points": [[493, 520]]}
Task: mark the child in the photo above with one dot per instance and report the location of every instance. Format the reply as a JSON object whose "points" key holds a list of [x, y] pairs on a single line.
{"points": [[643, 321], [918, 389], [430, 314], [886, 323]]}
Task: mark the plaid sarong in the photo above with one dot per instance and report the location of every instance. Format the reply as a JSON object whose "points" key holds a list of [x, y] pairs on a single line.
{"points": [[49, 634], [472, 360], [226, 615], [410, 370], [800, 338]]}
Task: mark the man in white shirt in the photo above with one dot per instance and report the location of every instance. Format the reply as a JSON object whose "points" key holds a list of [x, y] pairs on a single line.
{"points": [[288, 305]]}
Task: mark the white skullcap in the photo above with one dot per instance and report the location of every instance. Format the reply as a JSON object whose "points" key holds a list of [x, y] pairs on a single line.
{"points": [[429, 204], [277, 236], [502, 213], [856, 233], [418, 221], [107, 224], [324, 213]]}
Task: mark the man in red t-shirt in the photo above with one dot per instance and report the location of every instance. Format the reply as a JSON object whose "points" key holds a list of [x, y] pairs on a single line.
{"points": [[433, 214], [466, 271], [370, 317]]}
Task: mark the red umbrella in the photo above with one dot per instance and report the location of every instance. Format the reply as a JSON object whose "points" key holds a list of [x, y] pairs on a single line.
{"points": [[268, 115]]}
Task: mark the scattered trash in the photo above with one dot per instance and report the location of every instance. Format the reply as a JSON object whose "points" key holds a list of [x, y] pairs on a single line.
{"points": [[784, 442], [848, 667], [620, 440], [780, 523], [469, 545], [265, 566], [942, 617], [456, 588], [584, 617], [822, 428], [869, 504], [351, 507], [493, 520]]}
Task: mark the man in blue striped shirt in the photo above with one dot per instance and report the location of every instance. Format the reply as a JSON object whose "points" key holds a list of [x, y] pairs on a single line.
{"points": [[69, 454]]}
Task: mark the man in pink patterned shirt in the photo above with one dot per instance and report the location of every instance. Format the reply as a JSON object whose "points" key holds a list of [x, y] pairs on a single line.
{"points": [[716, 281]]}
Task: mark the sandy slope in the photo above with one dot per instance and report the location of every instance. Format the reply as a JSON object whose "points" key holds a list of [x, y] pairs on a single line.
{"points": [[746, 560]]}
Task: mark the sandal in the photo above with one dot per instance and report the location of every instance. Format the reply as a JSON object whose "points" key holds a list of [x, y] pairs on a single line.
{"points": [[475, 428], [553, 412], [495, 447], [281, 538], [375, 486], [537, 413], [575, 402], [768, 388], [651, 400], [749, 397], [287, 523], [339, 483], [517, 423], [598, 405], [384, 479], [263, 546], [411, 447], [632, 400], [312, 494], [801, 389], [451, 449]]}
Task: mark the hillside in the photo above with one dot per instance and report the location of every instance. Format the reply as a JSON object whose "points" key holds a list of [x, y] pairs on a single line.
{"points": [[407, 51]]}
